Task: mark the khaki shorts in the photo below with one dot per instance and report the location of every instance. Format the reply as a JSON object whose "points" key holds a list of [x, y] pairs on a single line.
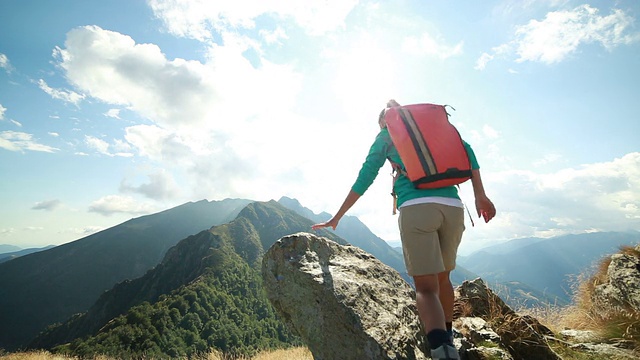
{"points": [[430, 234]]}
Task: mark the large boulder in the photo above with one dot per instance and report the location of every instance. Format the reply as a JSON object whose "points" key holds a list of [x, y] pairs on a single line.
{"points": [[622, 286], [523, 336], [342, 301]]}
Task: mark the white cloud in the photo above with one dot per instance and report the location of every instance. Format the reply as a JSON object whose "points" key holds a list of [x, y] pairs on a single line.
{"points": [[601, 196], [112, 204], [3, 111], [482, 61], [161, 186], [99, 145], [64, 95], [102, 147], [121, 148], [48, 205], [200, 112], [175, 93], [4, 63], [7, 231], [490, 133], [197, 19], [114, 113], [525, 6], [547, 159], [110, 67], [33, 228], [270, 88], [20, 141], [562, 32], [428, 45], [497, 51], [486, 135], [275, 36], [157, 143], [83, 231]]}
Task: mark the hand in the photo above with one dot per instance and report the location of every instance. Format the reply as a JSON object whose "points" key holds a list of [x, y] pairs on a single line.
{"points": [[333, 222], [485, 208]]}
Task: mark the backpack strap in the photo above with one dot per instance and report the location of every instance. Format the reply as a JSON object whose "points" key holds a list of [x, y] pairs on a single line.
{"points": [[469, 213], [396, 171]]}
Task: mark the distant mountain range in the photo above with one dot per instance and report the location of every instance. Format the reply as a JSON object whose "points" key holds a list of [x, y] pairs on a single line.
{"points": [[552, 266], [85, 284], [12, 254], [5, 248]]}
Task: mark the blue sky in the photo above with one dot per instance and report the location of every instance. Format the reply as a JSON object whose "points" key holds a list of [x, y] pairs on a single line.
{"points": [[115, 109]]}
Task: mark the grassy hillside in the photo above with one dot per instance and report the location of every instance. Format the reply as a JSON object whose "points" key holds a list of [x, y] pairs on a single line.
{"points": [[49, 286], [224, 308], [207, 293]]}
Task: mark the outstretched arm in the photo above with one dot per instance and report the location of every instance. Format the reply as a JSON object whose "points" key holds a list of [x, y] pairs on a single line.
{"points": [[484, 206], [351, 199]]}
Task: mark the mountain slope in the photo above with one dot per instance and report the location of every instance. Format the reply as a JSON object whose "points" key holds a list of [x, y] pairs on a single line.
{"points": [[49, 286], [196, 264]]}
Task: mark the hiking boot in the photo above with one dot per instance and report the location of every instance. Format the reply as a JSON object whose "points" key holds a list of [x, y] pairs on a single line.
{"points": [[445, 352]]}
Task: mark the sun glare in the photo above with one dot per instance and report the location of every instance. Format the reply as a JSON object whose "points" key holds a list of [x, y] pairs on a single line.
{"points": [[364, 76]]}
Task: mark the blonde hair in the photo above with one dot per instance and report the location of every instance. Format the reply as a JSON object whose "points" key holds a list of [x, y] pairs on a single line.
{"points": [[391, 103]]}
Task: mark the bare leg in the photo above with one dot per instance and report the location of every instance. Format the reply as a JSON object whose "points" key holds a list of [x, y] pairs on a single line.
{"points": [[428, 302], [446, 295]]}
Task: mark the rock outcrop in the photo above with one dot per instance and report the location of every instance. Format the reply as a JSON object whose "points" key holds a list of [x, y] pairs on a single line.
{"points": [[345, 304], [522, 336], [622, 287], [342, 301]]}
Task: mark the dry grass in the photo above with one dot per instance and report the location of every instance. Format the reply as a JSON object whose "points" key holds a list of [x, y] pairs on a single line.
{"points": [[40, 355], [299, 353], [553, 317], [609, 323], [35, 355]]}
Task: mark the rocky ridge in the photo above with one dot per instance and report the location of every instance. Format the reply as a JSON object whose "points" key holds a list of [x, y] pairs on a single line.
{"points": [[346, 304]]}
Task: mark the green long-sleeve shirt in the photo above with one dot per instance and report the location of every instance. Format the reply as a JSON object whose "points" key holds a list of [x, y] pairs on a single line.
{"points": [[381, 149]]}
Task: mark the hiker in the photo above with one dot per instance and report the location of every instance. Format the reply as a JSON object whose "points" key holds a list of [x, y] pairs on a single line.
{"points": [[431, 223]]}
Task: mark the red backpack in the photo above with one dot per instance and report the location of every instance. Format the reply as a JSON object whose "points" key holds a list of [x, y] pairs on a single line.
{"points": [[429, 145]]}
